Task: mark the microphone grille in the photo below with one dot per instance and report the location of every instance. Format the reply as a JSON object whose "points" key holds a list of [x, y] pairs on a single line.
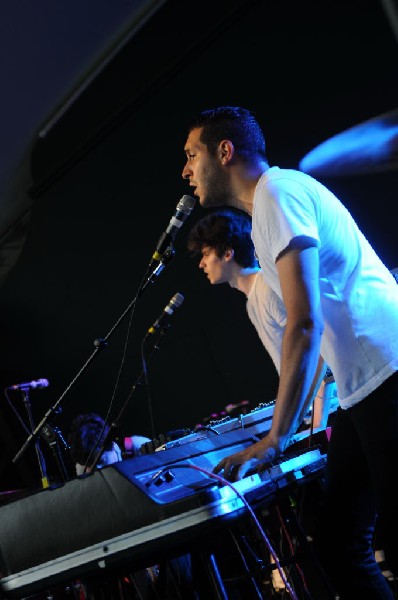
{"points": [[177, 300], [186, 203], [42, 382]]}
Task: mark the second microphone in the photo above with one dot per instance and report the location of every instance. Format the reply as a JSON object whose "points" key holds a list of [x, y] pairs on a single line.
{"points": [[168, 310]]}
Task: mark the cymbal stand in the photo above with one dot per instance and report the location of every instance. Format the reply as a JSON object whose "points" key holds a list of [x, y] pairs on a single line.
{"points": [[39, 454]]}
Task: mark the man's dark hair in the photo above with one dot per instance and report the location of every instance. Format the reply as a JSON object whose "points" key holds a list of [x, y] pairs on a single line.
{"points": [[86, 436], [233, 123], [222, 230]]}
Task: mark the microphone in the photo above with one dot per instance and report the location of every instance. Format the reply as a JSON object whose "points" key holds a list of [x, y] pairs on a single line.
{"points": [[182, 212], [168, 310], [30, 385]]}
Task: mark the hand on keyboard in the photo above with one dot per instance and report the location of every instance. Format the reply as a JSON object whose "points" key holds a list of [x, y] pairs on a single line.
{"points": [[236, 465]]}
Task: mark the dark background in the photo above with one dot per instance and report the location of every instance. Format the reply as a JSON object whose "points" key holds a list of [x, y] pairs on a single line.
{"points": [[94, 112]]}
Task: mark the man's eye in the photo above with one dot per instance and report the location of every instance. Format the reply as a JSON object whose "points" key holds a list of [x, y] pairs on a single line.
{"points": [[190, 156]]}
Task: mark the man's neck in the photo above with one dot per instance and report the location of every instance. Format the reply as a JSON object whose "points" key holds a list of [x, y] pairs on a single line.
{"points": [[245, 183], [243, 279]]}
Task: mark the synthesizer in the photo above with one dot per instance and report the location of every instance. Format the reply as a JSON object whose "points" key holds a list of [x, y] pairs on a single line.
{"points": [[259, 418], [128, 512]]}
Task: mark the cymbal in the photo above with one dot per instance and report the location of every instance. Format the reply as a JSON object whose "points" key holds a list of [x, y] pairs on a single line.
{"points": [[370, 147]]}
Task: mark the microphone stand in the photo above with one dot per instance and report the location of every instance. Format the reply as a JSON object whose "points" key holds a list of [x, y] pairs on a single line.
{"points": [[39, 454], [115, 424], [99, 344], [53, 435]]}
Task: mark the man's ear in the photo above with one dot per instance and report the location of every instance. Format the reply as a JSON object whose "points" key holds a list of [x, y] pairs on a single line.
{"points": [[226, 149], [229, 254]]}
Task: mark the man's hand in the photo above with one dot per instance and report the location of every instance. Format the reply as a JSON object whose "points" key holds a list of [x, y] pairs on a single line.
{"points": [[236, 465]]}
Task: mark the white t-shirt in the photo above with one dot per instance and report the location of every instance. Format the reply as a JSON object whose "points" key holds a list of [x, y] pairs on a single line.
{"points": [[359, 296], [268, 314]]}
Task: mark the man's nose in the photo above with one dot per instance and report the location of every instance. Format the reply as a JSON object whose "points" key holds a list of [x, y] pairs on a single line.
{"points": [[186, 172]]}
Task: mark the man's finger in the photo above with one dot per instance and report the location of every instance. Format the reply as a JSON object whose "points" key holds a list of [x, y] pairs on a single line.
{"points": [[220, 466]]}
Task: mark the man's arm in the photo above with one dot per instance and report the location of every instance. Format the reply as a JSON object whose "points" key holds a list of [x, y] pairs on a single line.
{"points": [[316, 398], [322, 404], [298, 270]]}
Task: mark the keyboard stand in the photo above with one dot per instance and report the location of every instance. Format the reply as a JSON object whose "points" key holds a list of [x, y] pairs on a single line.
{"points": [[222, 569]]}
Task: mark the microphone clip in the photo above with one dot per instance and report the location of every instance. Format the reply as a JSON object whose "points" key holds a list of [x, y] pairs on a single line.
{"points": [[155, 268]]}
